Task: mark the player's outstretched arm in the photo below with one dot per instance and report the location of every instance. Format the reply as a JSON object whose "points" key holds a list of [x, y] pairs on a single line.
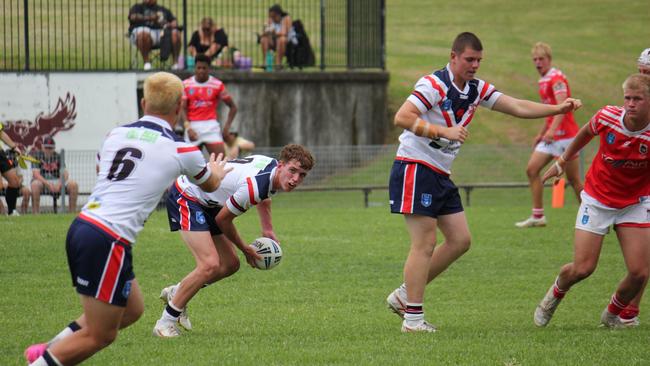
{"points": [[528, 109], [408, 117], [582, 138], [225, 222], [218, 171], [264, 212]]}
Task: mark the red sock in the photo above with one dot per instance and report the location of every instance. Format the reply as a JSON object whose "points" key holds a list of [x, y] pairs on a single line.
{"points": [[538, 213], [616, 305], [557, 292], [629, 312]]}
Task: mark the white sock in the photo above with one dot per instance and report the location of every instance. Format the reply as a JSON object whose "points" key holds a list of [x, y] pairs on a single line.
{"points": [[64, 333], [169, 317], [39, 362], [414, 314]]}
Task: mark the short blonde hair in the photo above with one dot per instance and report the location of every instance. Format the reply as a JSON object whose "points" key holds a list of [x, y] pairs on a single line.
{"points": [[638, 82], [542, 49], [162, 92]]}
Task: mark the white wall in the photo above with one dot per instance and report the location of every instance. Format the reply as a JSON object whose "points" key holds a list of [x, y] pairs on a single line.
{"points": [[97, 102]]}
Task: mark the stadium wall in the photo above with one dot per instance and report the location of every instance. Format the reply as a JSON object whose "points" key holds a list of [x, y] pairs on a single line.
{"points": [[310, 108]]}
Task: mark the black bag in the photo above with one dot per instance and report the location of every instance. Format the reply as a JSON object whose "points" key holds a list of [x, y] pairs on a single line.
{"points": [[299, 51], [165, 44]]}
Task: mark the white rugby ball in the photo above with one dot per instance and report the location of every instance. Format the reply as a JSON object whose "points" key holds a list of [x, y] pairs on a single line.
{"points": [[269, 250]]}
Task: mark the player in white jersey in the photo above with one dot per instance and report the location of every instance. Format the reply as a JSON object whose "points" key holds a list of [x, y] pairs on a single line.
{"points": [[137, 162], [206, 223], [435, 119]]}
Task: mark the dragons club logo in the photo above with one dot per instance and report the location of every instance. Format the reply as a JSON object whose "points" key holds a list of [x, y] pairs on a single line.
{"points": [[30, 134]]}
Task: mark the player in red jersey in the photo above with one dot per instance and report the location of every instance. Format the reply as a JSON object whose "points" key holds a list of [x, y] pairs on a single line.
{"points": [[201, 99], [556, 134], [617, 192], [644, 62]]}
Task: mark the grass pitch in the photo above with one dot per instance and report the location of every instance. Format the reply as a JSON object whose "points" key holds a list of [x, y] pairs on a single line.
{"points": [[324, 304]]}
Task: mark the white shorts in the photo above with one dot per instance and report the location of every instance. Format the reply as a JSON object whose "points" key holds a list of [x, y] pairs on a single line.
{"points": [[209, 132], [595, 217], [154, 33], [555, 148]]}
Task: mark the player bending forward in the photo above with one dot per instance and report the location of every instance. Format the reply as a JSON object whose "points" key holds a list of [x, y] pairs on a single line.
{"points": [[137, 162], [206, 223], [441, 106], [617, 192]]}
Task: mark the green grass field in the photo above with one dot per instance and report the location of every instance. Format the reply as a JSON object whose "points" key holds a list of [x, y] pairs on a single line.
{"points": [[325, 303]]}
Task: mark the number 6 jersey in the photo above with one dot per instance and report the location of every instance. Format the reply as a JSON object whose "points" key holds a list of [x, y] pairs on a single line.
{"points": [[137, 163]]}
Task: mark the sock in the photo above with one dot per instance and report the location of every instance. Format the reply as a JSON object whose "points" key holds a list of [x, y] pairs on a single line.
{"points": [[71, 328], [414, 314], [615, 305], [629, 312], [557, 291], [11, 197], [538, 213], [46, 360], [171, 312]]}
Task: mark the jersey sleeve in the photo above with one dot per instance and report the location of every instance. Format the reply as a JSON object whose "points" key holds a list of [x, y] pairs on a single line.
{"points": [[426, 94], [559, 85], [192, 163], [488, 94], [223, 93], [250, 192], [594, 123]]}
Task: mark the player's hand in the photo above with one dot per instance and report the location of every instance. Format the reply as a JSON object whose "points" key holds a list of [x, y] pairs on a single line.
{"points": [[548, 136], [251, 255], [555, 171], [192, 134], [569, 105], [218, 166], [271, 235], [456, 133]]}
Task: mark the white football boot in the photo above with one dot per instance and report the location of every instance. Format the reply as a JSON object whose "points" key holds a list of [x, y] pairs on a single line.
{"points": [[166, 295], [630, 323], [532, 222], [396, 303], [610, 320], [424, 327], [546, 308], [166, 329]]}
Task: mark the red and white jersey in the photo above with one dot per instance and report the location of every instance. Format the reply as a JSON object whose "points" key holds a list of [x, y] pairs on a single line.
{"points": [[249, 183], [441, 102], [619, 176], [137, 163], [203, 98], [550, 85]]}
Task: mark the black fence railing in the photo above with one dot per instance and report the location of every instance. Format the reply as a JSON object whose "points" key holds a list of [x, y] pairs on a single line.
{"points": [[92, 35]]}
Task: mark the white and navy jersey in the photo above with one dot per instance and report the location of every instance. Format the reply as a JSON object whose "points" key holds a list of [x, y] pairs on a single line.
{"points": [[441, 102], [249, 183], [137, 163]]}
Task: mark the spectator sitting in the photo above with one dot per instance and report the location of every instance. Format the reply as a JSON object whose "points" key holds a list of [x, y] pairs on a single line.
{"points": [[47, 174], [209, 39], [147, 23], [279, 31], [237, 146], [25, 193]]}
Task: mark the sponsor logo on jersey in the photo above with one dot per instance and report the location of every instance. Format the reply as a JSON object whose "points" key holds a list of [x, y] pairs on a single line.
{"points": [[191, 91], [625, 163], [127, 289], [426, 199], [611, 138], [643, 149], [82, 282], [200, 218], [446, 105], [585, 219]]}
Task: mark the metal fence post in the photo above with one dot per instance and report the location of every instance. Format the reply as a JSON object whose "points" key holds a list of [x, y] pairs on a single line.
{"points": [[184, 34], [322, 34], [383, 34], [62, 179], [26, 21]]}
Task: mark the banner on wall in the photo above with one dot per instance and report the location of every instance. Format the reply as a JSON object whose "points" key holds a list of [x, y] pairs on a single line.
{"points": [[76, 109]]}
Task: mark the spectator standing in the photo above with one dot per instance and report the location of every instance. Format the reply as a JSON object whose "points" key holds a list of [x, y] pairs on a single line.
{"points": [[46, 176], [147, 23]]}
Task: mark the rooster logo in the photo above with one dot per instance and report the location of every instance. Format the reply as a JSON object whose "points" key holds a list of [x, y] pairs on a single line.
{"points": [[29, 135]]}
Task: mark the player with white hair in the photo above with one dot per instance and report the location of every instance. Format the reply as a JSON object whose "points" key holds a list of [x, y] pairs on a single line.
{"points": [[137, 163], [644, 62], [617, 193]]}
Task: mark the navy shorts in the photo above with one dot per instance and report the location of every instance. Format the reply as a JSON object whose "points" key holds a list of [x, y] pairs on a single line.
{"points": [[417, 189], [6, 163], [100, 261], [186, 214]]}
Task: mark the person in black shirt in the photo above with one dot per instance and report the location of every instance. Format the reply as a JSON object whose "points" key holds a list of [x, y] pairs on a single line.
{"points": [[147, 22], [209, 39]]}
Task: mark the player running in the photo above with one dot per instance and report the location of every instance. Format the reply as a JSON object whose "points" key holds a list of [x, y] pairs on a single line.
{"points": [[206, 223], [201, 98], [435, 119], [137, 162], [556, 134], [617, 192]]}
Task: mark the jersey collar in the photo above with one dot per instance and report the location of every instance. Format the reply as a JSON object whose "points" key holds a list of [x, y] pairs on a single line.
{"points": [[161, 122], [451, 78]]}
